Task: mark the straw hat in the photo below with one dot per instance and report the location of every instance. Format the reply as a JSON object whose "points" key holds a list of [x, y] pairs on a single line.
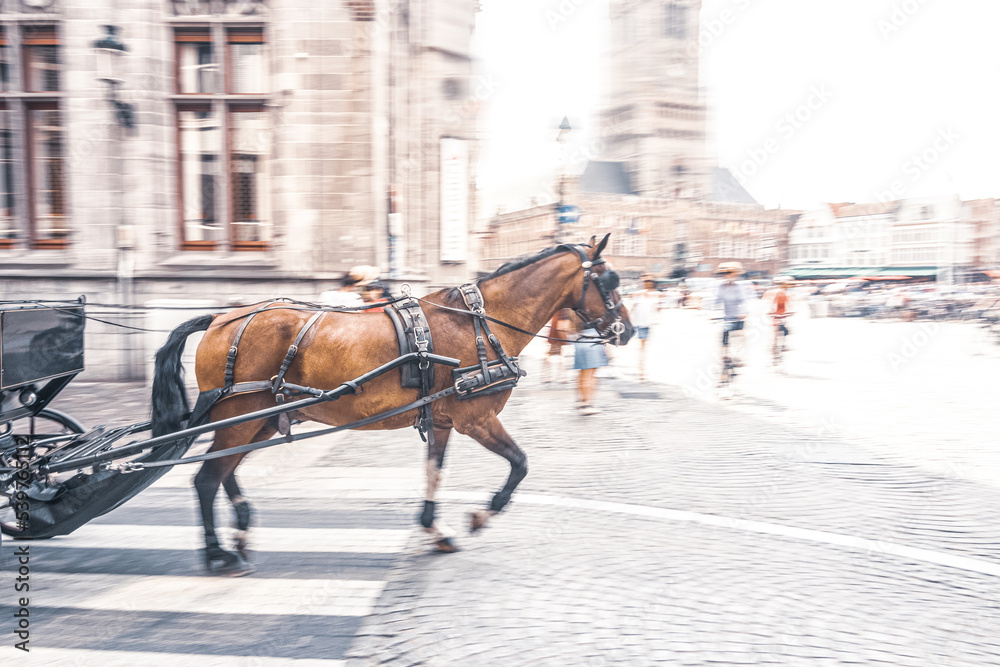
{"points": [[730, 267], [362, 274]]}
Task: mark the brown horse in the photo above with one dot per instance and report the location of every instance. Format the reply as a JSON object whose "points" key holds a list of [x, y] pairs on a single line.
{"points": [[342, 346]]}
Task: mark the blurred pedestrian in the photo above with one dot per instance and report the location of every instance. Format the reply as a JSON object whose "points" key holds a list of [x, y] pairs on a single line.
{"points": [[589, 356], [643, 307], [682, 302], [347, 295], [374, 292], [560, 329]]}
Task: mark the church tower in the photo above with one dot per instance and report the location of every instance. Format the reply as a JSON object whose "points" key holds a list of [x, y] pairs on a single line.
{"points": [[654, 119]]}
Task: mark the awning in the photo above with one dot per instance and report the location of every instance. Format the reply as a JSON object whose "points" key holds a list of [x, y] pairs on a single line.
{"points": [[869, 273], [826, 272], [911, 271]]}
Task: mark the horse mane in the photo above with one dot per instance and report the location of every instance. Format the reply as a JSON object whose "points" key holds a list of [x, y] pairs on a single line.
{"points": [[522, 262]]}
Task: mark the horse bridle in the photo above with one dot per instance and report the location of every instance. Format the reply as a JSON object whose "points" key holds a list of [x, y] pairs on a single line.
{"points": [[605, 283]]}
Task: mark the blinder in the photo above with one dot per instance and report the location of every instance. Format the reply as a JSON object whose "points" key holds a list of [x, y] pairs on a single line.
{"points": [[609, 280]]}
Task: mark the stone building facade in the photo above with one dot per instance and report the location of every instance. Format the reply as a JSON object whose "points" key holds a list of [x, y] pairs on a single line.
{"points": [[663, 236], [275, 143], [934, 238]]}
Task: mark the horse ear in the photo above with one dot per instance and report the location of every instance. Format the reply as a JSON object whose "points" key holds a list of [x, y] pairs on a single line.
{"points": [[592, 242], [602, 245]]}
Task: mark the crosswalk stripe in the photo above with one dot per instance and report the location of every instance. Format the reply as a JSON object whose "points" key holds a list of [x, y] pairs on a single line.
{"points": [[256, 478], [85, 657], [284, 540], [208, 595]]}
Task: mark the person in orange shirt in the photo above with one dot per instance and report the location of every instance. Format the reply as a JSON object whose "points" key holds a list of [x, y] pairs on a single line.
{"points": [[779, 312]]}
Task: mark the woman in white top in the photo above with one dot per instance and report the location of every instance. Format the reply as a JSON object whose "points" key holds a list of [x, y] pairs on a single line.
{"points": [[642, 309]]}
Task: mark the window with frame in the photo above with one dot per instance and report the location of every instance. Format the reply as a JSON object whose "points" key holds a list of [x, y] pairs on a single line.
{"points": [[48, 224], [33, 197], [223, 145], [247, 68], [199, 146], [676, 21], [249, 140], [40, 59], [8, 219], [5, 62], [196, 67]]}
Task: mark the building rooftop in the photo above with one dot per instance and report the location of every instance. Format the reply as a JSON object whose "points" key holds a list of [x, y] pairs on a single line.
{"points": [[854, 210], [606, 177], [726, 188]]}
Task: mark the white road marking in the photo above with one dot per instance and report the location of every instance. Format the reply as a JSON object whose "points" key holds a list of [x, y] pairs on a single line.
{"points": [[729, 523], [207, 595], [312, 540], [256, 478], [75, 657]]}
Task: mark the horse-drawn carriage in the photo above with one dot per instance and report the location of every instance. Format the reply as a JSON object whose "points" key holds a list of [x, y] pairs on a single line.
{"points": [[298, 360]]}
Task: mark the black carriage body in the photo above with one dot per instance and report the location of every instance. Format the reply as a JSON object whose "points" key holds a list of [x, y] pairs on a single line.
{"points": [[39, 343], [41, 349]]}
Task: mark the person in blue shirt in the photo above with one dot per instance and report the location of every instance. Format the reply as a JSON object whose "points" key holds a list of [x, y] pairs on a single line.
{"points": [[733, 297]]}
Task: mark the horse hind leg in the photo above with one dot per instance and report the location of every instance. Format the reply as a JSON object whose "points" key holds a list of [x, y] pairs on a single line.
{"points": [[495, 438], [207, 483], [213, 474], [243, 511], [442, 535]]}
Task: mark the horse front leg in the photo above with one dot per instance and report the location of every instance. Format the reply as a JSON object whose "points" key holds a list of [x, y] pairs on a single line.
{"points": [[442, 535], [492, 435]]}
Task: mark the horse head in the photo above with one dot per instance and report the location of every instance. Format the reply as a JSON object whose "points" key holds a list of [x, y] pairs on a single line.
{"points": [[601, 306]]}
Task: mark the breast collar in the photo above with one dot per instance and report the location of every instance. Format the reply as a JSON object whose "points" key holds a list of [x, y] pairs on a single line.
{"points": [[474, 302]]}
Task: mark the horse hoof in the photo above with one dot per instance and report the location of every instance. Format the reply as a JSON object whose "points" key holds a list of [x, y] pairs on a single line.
{"points": [[446, 545], [239, 569], [477, 520], [230, 565]]}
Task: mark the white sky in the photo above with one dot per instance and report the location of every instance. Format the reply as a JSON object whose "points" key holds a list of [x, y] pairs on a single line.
{"points": [[892, 93]]}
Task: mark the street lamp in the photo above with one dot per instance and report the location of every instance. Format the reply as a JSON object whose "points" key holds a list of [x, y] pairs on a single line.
{"points": [[109, 52], [564, 213]]}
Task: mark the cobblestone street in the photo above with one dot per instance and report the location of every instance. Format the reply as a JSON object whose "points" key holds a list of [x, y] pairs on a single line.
{"points": [[769, 546]]}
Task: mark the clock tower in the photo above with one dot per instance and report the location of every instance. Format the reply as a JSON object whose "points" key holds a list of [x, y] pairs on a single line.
{"points": [[654, 118]]}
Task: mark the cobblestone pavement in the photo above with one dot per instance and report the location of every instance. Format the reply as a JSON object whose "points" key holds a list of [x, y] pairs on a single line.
{"points": [[668, 530]]}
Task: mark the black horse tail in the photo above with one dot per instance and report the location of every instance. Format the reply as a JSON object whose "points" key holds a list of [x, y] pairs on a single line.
{"points": [[170, 402]]}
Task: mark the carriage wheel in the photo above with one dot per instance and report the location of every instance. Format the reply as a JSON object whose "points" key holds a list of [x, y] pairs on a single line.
{"points": [[47, 422]]}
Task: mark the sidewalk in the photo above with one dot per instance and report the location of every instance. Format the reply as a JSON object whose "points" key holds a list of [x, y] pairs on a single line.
{"points": [[669, 530]]}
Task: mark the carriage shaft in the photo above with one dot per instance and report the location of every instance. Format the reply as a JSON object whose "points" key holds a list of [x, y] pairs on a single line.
{"points": [[323, 397]]}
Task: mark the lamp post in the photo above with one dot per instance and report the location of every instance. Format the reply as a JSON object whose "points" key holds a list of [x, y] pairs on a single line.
{"points": [[108, 52], [561, 208]]}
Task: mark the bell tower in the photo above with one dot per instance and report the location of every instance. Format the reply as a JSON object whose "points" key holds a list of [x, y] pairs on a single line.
{"points": [[654, 118]]}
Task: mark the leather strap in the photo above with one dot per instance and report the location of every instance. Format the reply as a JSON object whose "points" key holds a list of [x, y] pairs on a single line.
{"points": [[234, 348], [292, 351]]}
